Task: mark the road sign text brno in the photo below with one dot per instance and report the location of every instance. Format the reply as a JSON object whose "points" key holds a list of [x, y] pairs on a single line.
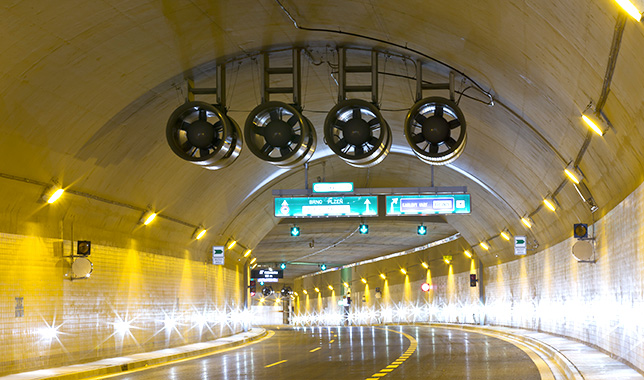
{"points": [[326, 206]]}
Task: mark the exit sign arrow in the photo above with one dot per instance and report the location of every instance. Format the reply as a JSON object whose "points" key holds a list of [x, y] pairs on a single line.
{"points": [[367, 203], [520, 241]]}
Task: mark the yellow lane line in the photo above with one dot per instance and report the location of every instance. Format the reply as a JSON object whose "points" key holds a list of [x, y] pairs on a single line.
{"points": [[413, 344], [315, 349], [269, 335], [276, 363]]}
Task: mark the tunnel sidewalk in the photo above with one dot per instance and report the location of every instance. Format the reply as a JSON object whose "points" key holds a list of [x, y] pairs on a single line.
{"points": [[575, 360], [146, 359]]}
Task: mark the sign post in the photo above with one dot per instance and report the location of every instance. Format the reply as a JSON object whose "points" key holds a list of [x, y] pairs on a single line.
{"points": [[217, 255], [520, 246]]}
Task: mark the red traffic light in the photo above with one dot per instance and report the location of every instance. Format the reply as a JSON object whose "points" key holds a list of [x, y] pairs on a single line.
{"points": [[473, 280], [425, 287]]}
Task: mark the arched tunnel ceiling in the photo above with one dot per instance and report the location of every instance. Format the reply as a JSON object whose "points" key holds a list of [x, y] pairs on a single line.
{"points": [[88, 86]]}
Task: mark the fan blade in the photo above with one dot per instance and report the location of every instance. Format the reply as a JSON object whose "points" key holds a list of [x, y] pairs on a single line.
{"points": [[192, 151], [184, 126], [293, 120], [373, 141], [342, 143], [357, 114], [203, 116], [218, 126], [439, 111], [450, 142], [203, 152], [359, 150], [454, 124], [186, 146], [295, 137], [285, 151], [418, 138], [420, 119], [339, 124], [274, 115], [374, 123], [258, 130], [433, 148], [267, 149]]}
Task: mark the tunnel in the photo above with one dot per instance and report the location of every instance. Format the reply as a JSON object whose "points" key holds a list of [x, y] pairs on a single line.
{"points": [[260, 189]]}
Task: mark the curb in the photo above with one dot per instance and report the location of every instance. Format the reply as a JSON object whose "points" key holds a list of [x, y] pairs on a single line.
{"points": [[118, 365]]}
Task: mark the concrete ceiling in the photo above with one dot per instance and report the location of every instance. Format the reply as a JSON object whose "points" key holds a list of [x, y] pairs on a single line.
{"points": [[87, 88]]}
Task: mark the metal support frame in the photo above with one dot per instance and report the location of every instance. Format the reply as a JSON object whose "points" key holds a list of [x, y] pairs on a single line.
{"points": [[219, 91], [343, 70], [295, 70], [420, 85]]}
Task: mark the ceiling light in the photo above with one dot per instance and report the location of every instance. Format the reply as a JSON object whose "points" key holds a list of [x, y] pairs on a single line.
{"points": [[505, 234], [364, 280], [630, 9], [573, 173], [247, 253], [447, 259], [484, 245], [305, 292], [147, 217], [403, 271], [52, 194], [199, 233], [550, 203], [594, 121], [254, 266], [346, 285], [253, 260], [382, 275], [468, 253], [317, 289], [425, 265], [527, 221], [231, 245], [330, 287]]}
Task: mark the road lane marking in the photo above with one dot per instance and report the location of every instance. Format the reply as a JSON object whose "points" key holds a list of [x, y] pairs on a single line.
{"points": [[276, 363], [332, 340], [413, 344], [268, 335], [315, 349]]}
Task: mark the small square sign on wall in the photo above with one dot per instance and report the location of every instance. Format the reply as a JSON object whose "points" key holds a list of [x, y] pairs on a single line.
{"points": [[20, 307], [218, 255]]}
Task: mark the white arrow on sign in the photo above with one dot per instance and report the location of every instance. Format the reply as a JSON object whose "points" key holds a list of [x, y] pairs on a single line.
{"points": [[394, 201], [285, 203], [367, 203]]}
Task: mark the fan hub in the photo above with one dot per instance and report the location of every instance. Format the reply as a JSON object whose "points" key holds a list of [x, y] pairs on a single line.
{"points": [[436, 129], [278, 133], [200, 134], [356, 132]]}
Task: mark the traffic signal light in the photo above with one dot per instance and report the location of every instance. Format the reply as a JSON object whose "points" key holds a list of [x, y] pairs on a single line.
{"points": [[473, 280], [425, 287], [364, 229], [580, 230], [323, 267], [295, 231], [421, 230], [283, 266], [252, 288]]}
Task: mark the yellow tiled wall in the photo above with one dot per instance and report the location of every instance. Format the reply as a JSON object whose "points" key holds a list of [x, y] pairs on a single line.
{"points": [[149, 291]]}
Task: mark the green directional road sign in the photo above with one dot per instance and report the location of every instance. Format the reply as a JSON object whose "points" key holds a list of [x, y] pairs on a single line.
{"points": [[326, 206], [428, 204], [520, 246]]}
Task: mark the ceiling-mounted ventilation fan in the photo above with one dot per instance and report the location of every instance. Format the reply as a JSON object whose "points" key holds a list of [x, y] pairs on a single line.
{"points": [[436, 130], [277, 132], [204, 135], [356, 131]]}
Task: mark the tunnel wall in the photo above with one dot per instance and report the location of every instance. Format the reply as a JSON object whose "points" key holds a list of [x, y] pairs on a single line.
{"points": [[600, 303], [129, 284]]}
